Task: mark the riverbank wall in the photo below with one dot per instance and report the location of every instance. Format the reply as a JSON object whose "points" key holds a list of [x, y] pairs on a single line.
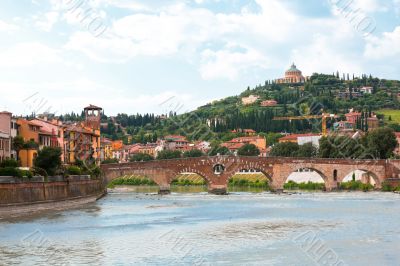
{"points": [[17, 196]]}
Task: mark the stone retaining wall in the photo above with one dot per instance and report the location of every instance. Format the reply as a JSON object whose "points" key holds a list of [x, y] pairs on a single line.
{"points": [[41, 192]]}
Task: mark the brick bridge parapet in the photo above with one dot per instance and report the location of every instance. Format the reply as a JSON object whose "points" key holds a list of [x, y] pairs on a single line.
{"points": [[219, 169]]}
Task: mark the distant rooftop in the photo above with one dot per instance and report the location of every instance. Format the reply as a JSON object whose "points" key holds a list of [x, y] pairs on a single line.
{"points": [[93, 107]]}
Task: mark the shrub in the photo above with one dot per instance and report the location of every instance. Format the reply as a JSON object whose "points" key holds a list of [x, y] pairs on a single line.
{"points": [[74, 170], [356, 185], [387, 187], [26, 173], [109, 161], [95, 172], [291, 185], [141, 157], [167, 154], [9, 163], [39, 171], [193, 153], [49, 158], [10, 171], [132, 181]]}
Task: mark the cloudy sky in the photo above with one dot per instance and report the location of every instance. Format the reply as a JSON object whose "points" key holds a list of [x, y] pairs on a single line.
{"points": [[156, 55]]}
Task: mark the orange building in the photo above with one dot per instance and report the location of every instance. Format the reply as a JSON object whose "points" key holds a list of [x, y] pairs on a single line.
{"points": [[236, 143], [82, 140], [117, 144], [28, 130], [292, 75]]}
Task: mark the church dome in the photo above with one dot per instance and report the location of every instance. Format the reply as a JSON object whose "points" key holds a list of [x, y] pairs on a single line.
{"points": [[293, 68]]}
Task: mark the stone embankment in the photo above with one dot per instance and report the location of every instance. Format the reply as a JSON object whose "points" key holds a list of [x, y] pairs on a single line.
{"points": [[21, 198]]}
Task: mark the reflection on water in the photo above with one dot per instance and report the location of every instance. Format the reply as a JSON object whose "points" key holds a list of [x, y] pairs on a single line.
{"points": [[198, 228]]}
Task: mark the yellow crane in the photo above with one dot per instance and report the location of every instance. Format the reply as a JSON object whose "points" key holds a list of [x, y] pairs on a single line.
{"points": [[324, 117]]}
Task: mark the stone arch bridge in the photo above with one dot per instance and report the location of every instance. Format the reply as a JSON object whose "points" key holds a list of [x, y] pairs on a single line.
{"points": [[217, 170]]}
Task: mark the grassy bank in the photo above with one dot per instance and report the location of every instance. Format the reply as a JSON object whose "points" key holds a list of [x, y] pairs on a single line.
{"points": [[356, 185], [131, 181], [291, 185]]}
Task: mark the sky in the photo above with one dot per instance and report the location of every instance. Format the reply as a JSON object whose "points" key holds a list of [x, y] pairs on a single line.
{"points": [[158, 56]]}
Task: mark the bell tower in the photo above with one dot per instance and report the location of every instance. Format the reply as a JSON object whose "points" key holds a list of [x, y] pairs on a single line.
{"points": [[93, 116]]}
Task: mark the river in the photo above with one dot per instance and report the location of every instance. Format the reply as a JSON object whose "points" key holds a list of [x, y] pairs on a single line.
{"points": [[242, 228]]}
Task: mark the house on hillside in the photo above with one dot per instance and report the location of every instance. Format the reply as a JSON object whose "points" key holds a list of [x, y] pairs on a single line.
{"points": [[250, 100]]}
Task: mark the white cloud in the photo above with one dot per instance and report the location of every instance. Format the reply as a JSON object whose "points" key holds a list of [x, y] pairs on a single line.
{"points": [[47, 21], [28, 54], [228, 63], [7, 27], [384, 46]]}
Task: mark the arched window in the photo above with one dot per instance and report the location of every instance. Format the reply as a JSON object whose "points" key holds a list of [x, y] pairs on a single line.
{"points": [[335, 175]]}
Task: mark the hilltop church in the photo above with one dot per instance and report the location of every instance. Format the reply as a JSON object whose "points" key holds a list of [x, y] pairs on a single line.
{"points": [[292, 75]]}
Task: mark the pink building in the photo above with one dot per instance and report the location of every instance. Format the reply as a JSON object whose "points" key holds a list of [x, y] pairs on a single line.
{"points": [[51, 133], [352, 117], [5, 135], [269, 103]]}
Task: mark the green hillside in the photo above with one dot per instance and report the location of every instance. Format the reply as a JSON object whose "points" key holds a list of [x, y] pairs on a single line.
{"points": [[321, 93]]}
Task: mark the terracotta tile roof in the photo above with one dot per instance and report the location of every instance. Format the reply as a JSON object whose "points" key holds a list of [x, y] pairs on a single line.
{"points": [[353, 114], [91, 106], [33, 123], [75, 128]]}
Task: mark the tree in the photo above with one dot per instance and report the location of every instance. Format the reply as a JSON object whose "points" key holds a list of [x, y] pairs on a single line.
{"points": [[141, 157], [49, 159], [381, 142], [249, 150], [307, 150], [285, 149], [272, 138], [167, 154], [18, 144], [219, 150], [193, 153]]}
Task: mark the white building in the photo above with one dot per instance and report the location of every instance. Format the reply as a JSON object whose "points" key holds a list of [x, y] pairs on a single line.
{"points": [[250, 100], [366, 90], [307, 139]]}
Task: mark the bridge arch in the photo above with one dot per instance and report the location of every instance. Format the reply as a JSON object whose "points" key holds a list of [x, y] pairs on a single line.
{"points": [[376, 181], [299, 169], [239, 169], [190, 170]]}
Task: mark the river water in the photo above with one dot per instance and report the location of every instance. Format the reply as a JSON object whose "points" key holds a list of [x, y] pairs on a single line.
{"points": [[243, 228]]}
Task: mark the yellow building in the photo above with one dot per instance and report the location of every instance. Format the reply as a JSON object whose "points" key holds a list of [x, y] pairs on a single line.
{"points": [[106, 149], [27, 157], [82, 140]]}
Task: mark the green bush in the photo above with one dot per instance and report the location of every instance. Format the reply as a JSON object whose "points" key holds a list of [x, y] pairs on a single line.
{"points": [[131, 181], [109, 161], [26, 173], [9, 163], [74, 170], [356, 185], [95, 172], [291, 185], [39, 171], [10, 171], [387, 187], [242, 182]]}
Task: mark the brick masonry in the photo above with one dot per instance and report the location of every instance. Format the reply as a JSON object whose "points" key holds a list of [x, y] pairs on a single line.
{"points": [[333, 171]]}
